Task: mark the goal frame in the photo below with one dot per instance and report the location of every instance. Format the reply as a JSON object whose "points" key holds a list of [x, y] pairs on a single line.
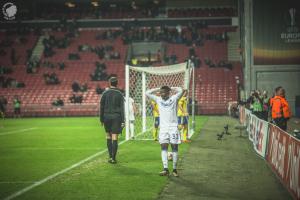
{"points": [[167, 69]]}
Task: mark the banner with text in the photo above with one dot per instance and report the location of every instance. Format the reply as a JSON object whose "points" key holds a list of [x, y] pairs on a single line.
{"points": [[283, 155], [258, 133], [281, 150]]}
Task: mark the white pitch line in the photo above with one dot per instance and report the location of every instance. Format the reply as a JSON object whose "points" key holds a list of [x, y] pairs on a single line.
{"points": [[144, 139], [14, 182], [40, 182], [30, 187], [54, 148], [17, 131]]}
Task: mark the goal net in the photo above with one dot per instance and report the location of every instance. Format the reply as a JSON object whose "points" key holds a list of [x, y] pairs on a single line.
{"points": [[141, 79]]}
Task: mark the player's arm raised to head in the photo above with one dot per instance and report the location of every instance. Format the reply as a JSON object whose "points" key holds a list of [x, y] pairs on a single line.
{"points": [[179, 92], [150, 95]]}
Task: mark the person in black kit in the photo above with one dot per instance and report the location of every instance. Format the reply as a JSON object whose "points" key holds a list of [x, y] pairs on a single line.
{"points": [[112, 116]]}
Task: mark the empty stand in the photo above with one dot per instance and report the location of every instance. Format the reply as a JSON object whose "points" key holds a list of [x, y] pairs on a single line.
{"points": [[215, 87]]}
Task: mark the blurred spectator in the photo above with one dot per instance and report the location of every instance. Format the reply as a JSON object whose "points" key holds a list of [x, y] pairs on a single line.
{"points": [[225, 64], [100, 72], [99, 90], [257, 104], [32, 66], [173, 58], [5, 70], [51, 79], [58, 102], [250, 100], [75, 86], [17, 107], [61, 65], [84, 48], [84, 87], [133, 6], [179, 29], [107, 55], [72, 98], [134, 61], [196, 61], [224, 36], [266, 105], [76, 98], [192, 52], [10, 83], [115, 55]]}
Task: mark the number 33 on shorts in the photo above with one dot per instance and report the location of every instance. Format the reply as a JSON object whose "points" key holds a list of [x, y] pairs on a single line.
{"points": [[175, 137]]}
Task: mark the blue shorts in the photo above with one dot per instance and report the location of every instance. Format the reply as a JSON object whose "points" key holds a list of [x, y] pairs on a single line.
{"points": [[183, 120], [156, 122]]}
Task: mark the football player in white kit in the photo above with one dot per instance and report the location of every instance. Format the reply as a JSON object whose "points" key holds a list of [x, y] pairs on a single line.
{"points": [[169, 133]]}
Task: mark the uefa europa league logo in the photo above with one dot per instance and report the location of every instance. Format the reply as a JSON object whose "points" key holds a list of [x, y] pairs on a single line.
{"points": [[9, 11], [292, 12]]}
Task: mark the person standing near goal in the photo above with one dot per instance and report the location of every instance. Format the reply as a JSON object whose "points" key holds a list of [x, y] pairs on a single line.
{"points": [[168, 133], [183, 116], [155, 113], [112, 116]]}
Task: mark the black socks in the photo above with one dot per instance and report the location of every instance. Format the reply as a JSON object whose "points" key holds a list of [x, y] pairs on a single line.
{"points": [[114, 149], [109, 147]]}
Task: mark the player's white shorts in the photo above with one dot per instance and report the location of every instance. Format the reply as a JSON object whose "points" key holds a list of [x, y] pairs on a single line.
{"points": [[169, 135]]}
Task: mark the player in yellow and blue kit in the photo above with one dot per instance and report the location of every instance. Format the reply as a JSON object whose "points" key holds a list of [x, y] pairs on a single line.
{"points": [[155, 113], [183, 116]]}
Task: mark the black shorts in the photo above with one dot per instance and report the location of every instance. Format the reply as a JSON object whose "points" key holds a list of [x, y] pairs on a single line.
{"points": [[113, 125]]}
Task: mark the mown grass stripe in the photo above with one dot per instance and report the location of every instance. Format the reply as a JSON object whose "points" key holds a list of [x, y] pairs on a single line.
{"points": [[40, 182]]}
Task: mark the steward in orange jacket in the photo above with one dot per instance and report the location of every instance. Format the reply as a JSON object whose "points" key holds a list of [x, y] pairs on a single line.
{"points": [[281, 112]]}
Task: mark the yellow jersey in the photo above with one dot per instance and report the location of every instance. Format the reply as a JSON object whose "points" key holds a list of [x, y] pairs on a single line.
{"points": [[155, 111], [182, 107]]}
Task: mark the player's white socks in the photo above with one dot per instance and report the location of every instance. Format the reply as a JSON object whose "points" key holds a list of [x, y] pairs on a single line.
{"points": [[175, 158], [164, 158]]}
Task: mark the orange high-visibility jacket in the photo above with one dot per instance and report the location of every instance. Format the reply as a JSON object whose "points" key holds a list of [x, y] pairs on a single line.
{"points": [[280, 107]]}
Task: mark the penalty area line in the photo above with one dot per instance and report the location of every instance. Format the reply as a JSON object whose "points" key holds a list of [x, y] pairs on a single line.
{"points": [[17, 131], [40, 182]]}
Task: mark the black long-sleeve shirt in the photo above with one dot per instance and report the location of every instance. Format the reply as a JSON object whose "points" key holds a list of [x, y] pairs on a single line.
{"points": [[112, 105]]}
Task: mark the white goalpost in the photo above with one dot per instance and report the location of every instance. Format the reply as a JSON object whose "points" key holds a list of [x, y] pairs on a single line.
{"points": [[138, 80]]}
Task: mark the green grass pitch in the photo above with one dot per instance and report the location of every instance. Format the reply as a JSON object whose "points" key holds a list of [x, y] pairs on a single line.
{"points": [[32, 149]]}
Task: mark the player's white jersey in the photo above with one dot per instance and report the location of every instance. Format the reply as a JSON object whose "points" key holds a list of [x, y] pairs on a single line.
{"points": [[167, 109]]}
